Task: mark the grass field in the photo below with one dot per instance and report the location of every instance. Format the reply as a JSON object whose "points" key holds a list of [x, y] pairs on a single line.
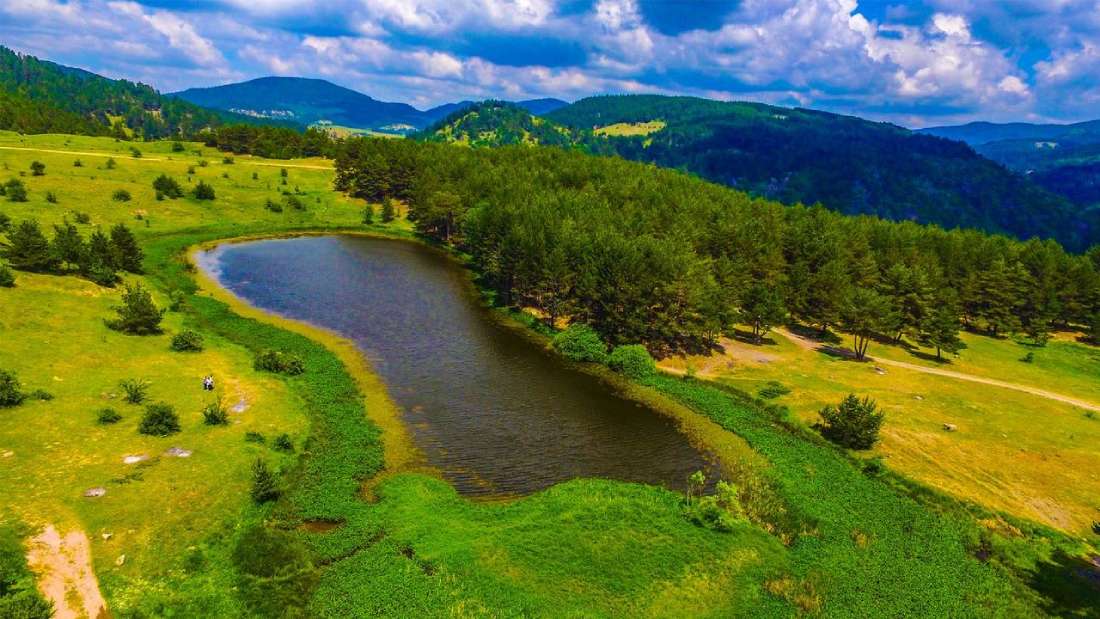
{"points": [[630, 129], [1012, 451], [397, 540]]}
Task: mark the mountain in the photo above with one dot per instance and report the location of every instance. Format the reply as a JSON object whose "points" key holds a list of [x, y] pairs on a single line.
{"points": [[977, 133], [304, 101], [1064, 159], [311, 101], [497, 123], [40, 96], [848, 164]]}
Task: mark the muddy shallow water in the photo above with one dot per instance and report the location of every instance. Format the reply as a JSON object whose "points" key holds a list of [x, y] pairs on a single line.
{"points": [[490, 409]]}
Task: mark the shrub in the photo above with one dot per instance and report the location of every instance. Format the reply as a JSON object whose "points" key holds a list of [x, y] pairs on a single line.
{"points": [[137, 315], [854, 424], [203, 191], [167, 186], [580, 342], [82, 218], [773, 390], [254, 437], [15, 190], [11, 393], [388, 211], [190, 170], [78, 164], [51, 197], [160, 419], [255, 176], [227, 160], [108, 416], [284, 443], [121, 195], [265, 486], [273, 206], [215, 413], [368, 215], [632, 360], [111, 163], [203, 163], [1029, 357], [38, 168], [187, 341], [41, 395], [135, 153], [292, 202], [7, 278], [279, 362], [177, 147], [136, 389], [5, 221]]}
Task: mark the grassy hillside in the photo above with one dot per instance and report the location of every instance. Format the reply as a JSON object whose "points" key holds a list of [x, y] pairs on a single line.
{"points": [[40, 96], [825, 536], [497, 123]]}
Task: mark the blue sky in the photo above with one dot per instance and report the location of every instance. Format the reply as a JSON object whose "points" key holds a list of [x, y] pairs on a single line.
{"points": [[913, 63]]}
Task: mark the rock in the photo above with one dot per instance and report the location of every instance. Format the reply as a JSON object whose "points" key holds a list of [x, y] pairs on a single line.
{"points": [[134, 459], [178, 452], [8, 453], [879, 370], [95, 492], [241, 406], [950, 427], [107, 536], [120, 560], [918, 397]]}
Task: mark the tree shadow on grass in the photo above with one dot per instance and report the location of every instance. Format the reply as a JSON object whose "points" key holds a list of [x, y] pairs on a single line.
{"points": [[927, 356], [814, 335], [746, 337], [1070, 585]]}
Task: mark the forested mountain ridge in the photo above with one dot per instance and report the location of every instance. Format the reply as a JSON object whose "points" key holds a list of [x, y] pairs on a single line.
{"points": [[498, 123], [797, 155], [42, 96], [1064, 159]]}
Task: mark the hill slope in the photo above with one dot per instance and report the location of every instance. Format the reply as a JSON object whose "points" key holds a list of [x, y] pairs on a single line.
{"points": [[1064, 159], [846, 163], [41, 96]]}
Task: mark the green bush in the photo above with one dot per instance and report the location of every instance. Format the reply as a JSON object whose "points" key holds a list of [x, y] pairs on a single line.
{"points": [[7, 278], [277, 574], [19, 598], [135, 153], [136, 390], [41, 395], [854, 424], [15, 190], [177, 147], [11, 393], [279, 362], [108, 416], [215, 413], [82, 218], [580, 342], [51, 197], [227, 160], [121, 195], [273, 206], [254, 437], [137, 315], [265, 485], [292, 202], [5, 221], [284, 443], [187, 341], [160, 419], [632, 360], [111, 163], [203, 191], [167, 186]]}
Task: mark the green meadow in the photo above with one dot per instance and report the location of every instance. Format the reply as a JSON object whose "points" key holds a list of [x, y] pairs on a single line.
{"points": [[989, 520]]}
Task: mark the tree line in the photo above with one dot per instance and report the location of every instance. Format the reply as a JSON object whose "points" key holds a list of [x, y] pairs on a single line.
{"points": [[654, 256], [99, 258]]}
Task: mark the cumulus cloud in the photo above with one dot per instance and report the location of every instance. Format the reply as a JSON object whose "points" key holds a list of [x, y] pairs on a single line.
{"points": [[908, 61]]}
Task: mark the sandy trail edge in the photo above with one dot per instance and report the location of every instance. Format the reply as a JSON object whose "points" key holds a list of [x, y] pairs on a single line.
{"points": [[65, 576], [1042, 393]]}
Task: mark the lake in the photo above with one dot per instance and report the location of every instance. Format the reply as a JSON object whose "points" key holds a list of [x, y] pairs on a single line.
{"points": [[493, 411]]}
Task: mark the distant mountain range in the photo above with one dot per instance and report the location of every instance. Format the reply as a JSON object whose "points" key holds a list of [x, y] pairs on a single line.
{"points": [[1062, 158], [794, 155], [312, 101]]}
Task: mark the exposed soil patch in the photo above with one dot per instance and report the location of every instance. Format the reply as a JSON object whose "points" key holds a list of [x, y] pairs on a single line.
{"points": [[321, 526], [65, 576]]}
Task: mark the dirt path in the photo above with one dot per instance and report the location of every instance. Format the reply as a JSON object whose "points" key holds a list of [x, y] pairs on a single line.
{"points": [[65, 576], [807, 344], [246, 161]]}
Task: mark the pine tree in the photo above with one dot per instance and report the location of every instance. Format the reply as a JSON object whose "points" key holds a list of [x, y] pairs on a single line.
{"points": [[265, 486], [388, 211], [124, 247], [68, 246], [940, 326], [29, 250], [137, 315], [864, 314], [762, 308]]}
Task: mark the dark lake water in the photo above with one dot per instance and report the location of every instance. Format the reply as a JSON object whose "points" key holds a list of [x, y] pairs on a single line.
{"points": [[490, 409]]}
